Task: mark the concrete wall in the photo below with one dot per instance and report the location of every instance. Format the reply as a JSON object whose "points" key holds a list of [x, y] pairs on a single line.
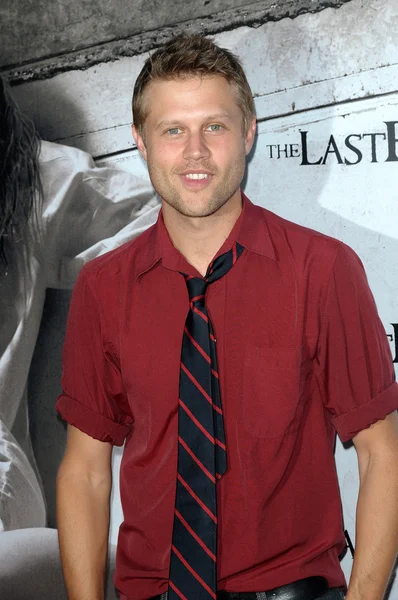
{"points": [[67, 27], [39, 39]]}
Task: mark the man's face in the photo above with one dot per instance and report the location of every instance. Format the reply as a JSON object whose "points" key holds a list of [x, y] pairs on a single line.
{"points": [[194, 143]]}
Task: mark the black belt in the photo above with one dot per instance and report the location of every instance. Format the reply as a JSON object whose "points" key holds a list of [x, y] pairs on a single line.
{"points": [[303, 589]]}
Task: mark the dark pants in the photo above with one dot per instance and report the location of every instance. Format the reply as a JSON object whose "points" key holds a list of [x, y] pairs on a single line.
{"points": [[331, 594]]}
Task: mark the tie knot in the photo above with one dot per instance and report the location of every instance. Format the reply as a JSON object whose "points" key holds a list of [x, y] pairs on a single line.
{"points": [[196, 289], [218, 268]]}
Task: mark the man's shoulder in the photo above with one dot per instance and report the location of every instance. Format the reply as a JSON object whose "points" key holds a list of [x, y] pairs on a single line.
{"points": [[302, 240], [118, 263]]}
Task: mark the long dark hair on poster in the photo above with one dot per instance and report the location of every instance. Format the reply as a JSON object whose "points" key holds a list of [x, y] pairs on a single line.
{"points": [[20, 184]]}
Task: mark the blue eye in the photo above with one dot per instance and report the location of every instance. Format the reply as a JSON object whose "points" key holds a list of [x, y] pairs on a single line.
{"points": [[173, 130], [215, 127]]}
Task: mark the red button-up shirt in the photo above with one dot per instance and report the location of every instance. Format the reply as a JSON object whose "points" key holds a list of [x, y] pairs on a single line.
{"points": [[301, 354]]}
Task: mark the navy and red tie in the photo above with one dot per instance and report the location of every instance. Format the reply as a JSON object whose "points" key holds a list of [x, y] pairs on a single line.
{"points": [[202, 457]]}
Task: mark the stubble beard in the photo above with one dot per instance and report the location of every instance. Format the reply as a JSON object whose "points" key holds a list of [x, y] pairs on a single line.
{"points": [[220, 195]]}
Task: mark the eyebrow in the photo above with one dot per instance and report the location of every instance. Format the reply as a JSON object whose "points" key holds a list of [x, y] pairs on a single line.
{"points": [[209, 118]]}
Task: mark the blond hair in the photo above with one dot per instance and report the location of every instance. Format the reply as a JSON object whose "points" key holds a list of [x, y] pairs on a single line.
{"points": [[191, 56]]}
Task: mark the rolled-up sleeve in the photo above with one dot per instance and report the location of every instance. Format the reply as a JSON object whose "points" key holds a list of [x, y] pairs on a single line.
{"points": [[355, 373], [93, 399]]}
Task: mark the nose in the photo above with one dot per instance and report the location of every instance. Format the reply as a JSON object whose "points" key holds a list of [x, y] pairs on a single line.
{"points": [[196, 146]]}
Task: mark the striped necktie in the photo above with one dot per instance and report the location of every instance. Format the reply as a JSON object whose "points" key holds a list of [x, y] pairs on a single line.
{"points": [[202, 458]]}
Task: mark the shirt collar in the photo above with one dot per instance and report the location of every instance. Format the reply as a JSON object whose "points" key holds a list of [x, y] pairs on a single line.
{"points": [[250, 230], [254, 233]]}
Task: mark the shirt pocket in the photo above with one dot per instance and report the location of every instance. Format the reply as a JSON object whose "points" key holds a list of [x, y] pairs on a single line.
{"points": [[271, 390]]}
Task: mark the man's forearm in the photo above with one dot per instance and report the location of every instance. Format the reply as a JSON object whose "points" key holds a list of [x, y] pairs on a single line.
{"points": [[83, 525], [376, 529]]}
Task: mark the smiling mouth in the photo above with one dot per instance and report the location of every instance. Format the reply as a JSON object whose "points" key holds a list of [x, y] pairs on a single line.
{"points": [[197, 176]]}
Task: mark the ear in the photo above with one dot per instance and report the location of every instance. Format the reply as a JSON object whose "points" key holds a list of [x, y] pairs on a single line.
{"points": [[140, 142], [250, 135]]}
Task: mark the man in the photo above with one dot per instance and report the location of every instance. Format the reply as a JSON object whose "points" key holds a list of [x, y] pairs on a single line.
{"points": [[228, 482]]}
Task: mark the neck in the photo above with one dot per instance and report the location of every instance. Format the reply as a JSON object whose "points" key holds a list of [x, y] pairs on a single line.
{"points": [[200, 238]]}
